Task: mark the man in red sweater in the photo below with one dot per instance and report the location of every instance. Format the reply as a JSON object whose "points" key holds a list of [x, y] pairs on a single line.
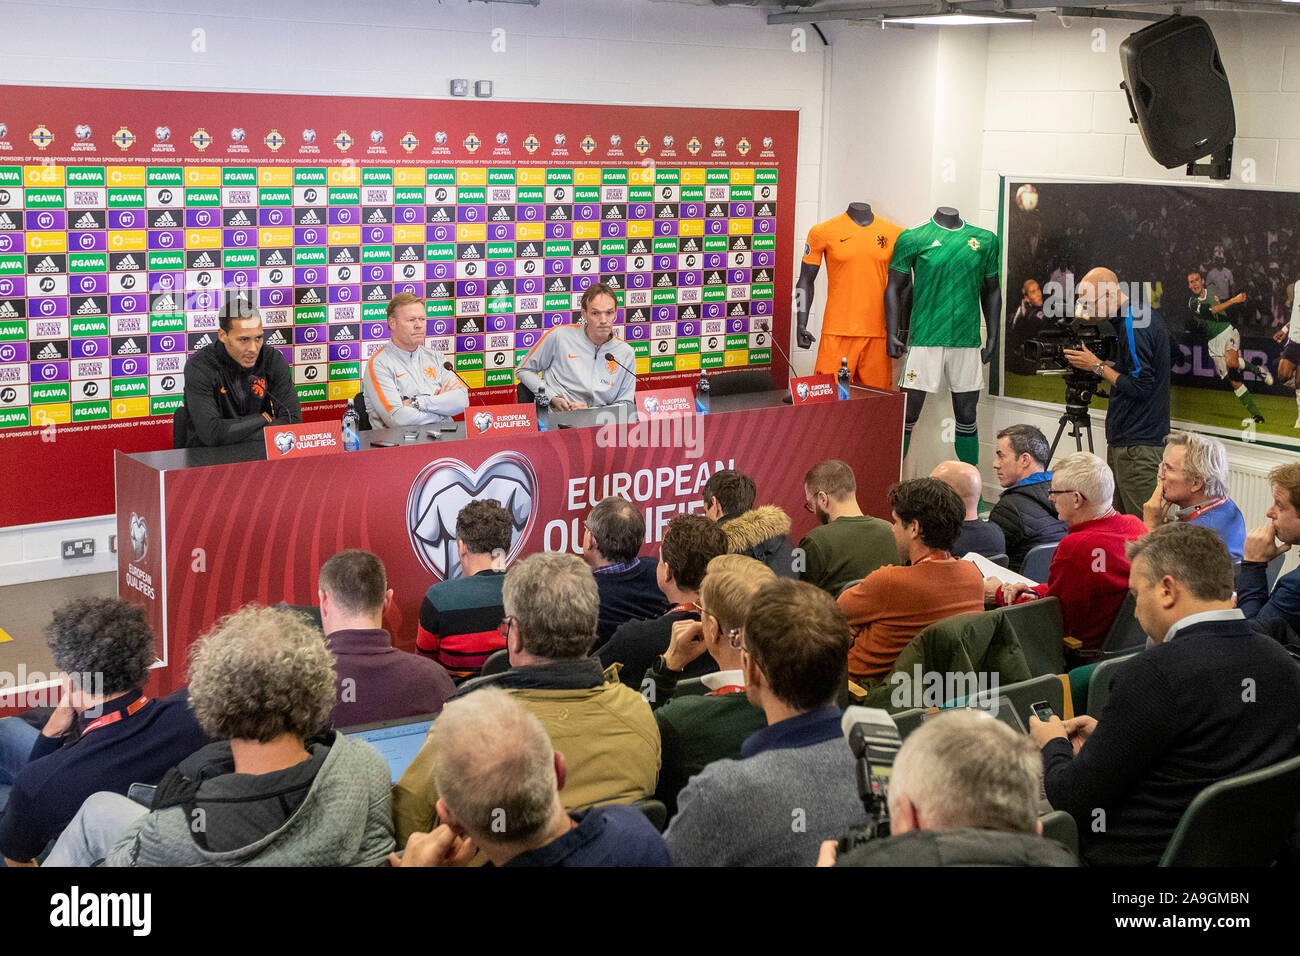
{"points": [[891, 605], [1089, 571]]}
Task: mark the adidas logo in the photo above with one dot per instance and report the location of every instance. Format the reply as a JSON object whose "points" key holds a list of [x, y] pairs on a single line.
{"points": [[275, 259], [49, 352], [311, 296], [409, 255], [527, 322], [469, 326], [664, 280], [275, 338], [439, 291], [501, 215], [713, 278], [310, 219], [164, 303], [89, 308], [500, 289], [614, 213], [763, 210], [739, 245], [87, 221], [716, 210], [762, 276], [613, 282], [738, 309], [691, 246], [557, 286], [128, 263], [5, 221], [129, 348], [666, 212], [585, 250], [165, 220], [344, 334], [7, 309], [559, 214], [377, 216], [440, 216], [639, 248], [687, 313], [46, 265], [240, 218], [377, 293], [935, 243], [207, 340], [345, 255], [471, 252], [203, 262], [528, 250]]}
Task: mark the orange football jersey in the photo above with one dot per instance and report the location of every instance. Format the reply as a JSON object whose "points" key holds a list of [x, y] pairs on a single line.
{"points": [[857, 270]]}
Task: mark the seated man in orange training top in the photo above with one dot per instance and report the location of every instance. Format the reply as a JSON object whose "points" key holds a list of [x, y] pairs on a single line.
{"points": [[891, 605]]}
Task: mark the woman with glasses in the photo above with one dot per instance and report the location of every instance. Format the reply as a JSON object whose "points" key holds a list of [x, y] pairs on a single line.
{"points": [[1089, 571]]}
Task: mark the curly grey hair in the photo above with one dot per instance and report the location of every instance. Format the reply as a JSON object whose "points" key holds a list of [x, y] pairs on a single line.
{"points": [[553, 598], [102, 636], [259, 673]]}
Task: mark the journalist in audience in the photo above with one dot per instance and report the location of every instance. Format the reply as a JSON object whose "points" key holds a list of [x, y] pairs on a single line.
{"points": [[499, 783], [1262, 547], [1089, 571], [1209, 699], [891, 605], [794, 785], [697, 729], [690, 543], [105, 733], [375, 680], [459, 616], [963, 792], [761, 533], [275, 789], [605, 728], [977, 535], [845, 545], [628, 585], [1024, 512], [1192, 486]]}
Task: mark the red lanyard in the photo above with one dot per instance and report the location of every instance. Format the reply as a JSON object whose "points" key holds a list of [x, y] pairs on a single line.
{"points": [[1204, 508], [677, 608], [933, 556], [728, 689], [115, 716]]}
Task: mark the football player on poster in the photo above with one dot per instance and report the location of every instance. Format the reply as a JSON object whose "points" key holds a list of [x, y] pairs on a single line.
{"points": [[1289, 337], [1210, 315]]}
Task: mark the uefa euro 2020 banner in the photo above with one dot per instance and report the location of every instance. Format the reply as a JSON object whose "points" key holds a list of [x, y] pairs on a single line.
{"points": [[124, 214], [1220, 265]]}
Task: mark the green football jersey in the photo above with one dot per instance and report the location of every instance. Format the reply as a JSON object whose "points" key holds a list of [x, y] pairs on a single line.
{"points": [[1214, 323], [948, 268]]}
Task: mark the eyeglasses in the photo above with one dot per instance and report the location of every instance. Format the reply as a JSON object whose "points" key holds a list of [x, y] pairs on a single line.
{"points": [[1066, 491], [504, 627], [808, 505]]}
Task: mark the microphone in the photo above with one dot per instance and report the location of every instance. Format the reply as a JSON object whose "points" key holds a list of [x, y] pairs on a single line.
{"points": [[764, 327], [450, 368], [609, 357]]}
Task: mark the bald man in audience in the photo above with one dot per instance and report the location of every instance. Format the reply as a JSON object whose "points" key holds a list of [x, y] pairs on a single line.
{"points": [[976, 535]]}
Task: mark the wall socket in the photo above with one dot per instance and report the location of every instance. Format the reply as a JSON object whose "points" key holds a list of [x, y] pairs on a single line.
{"points": [[79, 548]]}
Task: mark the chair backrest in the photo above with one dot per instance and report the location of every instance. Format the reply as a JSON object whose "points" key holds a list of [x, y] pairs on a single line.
{"points": [[690, 687], [498, 662], [1039, 627], [1125, 631], [1060, 826], [846, 585], [1099, 682], [654, 811], [1001, 560], [1273, 569], [181, 427], [1241, 821], [363, 412], [1049, 687], [908, 720], [1037, 562], [524, 395]]}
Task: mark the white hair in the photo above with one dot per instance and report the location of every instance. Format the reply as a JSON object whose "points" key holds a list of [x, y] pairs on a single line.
{"points": [[1206, 458], [1090, 476]]}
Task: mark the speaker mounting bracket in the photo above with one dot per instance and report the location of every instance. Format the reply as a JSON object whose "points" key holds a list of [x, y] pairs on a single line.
{"points": [[1219, 166]]}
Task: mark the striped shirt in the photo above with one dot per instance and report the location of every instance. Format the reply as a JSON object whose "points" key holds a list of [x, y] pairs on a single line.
{"points": [[460, 622]]}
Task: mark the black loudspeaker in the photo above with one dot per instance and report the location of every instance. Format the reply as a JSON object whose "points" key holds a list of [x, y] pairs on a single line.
{"points": [[1179, 96]]}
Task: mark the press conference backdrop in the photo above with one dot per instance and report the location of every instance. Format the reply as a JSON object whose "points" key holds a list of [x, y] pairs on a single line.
{"points": [[125, 213]]}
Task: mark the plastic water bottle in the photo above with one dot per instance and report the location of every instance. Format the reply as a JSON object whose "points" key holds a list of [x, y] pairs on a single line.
{"points": [[702, 394], [543, 408], [843, 377], [351, 424]]}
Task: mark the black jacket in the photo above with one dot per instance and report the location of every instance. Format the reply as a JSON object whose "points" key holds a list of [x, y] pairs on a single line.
{"points": [[1027, 518], [966, 847], [762, 534], [225, 401], [1138, 413]]}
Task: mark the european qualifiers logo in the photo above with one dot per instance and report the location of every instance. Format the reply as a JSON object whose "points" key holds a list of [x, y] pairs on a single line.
{"points": [[139, 536], [443, 487], [284, 441]]}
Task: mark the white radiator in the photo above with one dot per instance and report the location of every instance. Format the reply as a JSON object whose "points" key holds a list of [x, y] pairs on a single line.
{"points": [[1251, 491]]}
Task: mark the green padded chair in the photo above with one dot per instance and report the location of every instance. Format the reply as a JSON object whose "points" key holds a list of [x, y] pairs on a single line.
{"points": [[1053, 688], [1041, 632], [1060, 826], [1099, 684], [1241, 821], [654, 811]]}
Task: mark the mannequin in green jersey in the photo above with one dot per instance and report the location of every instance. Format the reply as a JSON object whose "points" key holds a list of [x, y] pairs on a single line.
{"points": [[949, 270]]}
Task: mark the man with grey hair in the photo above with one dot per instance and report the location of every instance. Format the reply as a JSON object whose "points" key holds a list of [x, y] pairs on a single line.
{"points": [[628, 586], [1209, 699], [499, 782], [277, 788], [105, 733], [1193, 487], [963, 792], [606, 729]]}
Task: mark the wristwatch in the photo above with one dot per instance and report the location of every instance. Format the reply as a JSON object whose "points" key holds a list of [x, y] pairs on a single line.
{"points": [[1098, 369]]}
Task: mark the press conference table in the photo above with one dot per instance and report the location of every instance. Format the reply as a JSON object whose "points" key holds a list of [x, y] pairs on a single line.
{"points": [[203, 531]]}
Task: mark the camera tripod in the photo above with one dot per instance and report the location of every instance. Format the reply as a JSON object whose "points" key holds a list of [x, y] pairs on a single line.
{"points": [[1079, 390]]}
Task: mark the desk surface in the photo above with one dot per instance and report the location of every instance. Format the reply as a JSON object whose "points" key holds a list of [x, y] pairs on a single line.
{"points": [[172, 459]]}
